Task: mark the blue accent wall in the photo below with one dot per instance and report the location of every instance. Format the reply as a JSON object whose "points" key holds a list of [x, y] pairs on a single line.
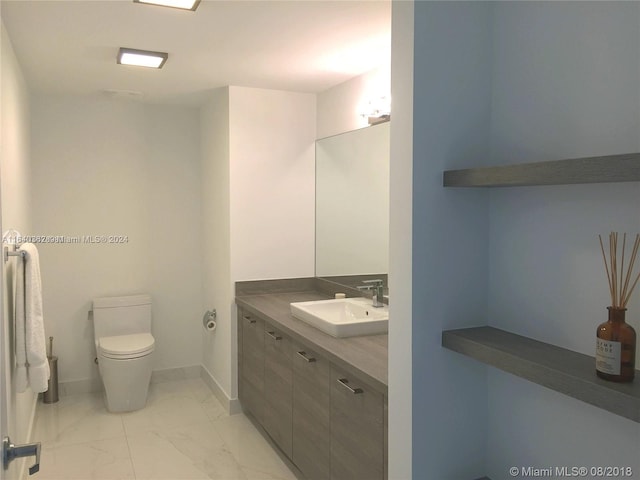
{"points": [[514, 82]]}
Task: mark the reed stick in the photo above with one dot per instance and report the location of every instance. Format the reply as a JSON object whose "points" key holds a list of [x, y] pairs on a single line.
{"points": [[619, 282], [634, 253], [624, 241], [614, 266], [628, 297], [606, 267]]}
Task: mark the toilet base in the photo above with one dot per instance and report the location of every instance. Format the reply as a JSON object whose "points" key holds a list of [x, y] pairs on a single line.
{"points": [[118, 406], [126, 382]]}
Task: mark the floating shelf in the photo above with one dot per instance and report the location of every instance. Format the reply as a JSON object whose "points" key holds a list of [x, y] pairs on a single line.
{"points": [[559, 369], [611, 168]]}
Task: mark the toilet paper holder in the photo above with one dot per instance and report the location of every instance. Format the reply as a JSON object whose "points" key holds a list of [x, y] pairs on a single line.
{"points": [[209, 319]]}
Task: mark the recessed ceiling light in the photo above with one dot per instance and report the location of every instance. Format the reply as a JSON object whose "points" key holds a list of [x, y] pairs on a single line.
{"points": [[141, 58], [182, 4]]}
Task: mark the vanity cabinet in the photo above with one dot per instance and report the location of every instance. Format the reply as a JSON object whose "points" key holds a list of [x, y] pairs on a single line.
{"points": [[278, 385], [252, 366], [329, 423], [357, 429], [311, 413]]}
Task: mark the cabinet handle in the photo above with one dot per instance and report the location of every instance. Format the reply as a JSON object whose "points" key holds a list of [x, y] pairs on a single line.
{"points": [[306, 359], [249, 319], [345, 383], [274, 336]]}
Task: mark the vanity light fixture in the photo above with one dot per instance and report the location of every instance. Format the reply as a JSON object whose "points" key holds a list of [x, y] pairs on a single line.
{"points": [[377, 110], [181, 4], [141, 58]]}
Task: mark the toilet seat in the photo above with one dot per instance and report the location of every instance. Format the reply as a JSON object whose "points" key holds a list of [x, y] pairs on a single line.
{"points": [[124, 347]]}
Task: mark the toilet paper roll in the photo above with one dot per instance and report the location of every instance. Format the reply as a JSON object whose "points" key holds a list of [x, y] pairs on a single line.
{"points": [[208, 320], [211, 326]]}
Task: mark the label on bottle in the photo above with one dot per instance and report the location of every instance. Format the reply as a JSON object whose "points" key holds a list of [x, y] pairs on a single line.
{"points": [[608, 356]]}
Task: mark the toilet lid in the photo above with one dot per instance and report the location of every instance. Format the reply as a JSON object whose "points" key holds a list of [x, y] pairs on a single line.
{"points": [[134, 344]]}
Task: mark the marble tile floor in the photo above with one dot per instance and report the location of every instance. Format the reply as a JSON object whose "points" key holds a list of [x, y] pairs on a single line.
{"points": [[183, 433]]}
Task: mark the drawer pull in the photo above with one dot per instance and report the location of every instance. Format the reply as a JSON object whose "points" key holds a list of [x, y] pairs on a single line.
{"points": [[306, 359], [345, 383], [274, 336], [249, 319]]}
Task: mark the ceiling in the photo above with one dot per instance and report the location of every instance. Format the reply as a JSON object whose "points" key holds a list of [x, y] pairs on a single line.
{"points": [[70, 47]]}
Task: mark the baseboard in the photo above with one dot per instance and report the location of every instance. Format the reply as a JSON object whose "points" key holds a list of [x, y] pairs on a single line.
{"points": [[170, 374], [231, 405], [234, 406], [94, 385], [77, 387]]}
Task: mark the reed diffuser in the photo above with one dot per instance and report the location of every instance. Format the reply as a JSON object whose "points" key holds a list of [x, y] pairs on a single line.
{"points": [[616, 340]]}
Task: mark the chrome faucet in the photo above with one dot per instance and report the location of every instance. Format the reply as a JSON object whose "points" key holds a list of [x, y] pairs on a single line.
{"points": [[377, 286]]}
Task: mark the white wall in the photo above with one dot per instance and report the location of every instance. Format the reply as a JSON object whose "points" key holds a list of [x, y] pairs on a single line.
{"points": [[15, 185], [218, 289], [258, 159], [570, 89], [339, 107], [104, 166], [272, 150]]}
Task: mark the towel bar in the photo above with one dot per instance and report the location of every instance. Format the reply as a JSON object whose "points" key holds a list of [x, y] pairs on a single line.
{"points": [[12, 253]]}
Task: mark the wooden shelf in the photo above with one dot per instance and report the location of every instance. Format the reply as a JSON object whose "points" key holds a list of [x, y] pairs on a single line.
{"points": [[559, 369], [611, 168]]}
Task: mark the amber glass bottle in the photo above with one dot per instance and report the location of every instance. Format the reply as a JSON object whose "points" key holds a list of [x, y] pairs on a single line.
{"points": [[616, 348]]}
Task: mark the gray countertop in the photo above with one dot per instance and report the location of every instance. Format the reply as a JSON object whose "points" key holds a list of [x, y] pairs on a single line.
{"points": [[363, 356]]}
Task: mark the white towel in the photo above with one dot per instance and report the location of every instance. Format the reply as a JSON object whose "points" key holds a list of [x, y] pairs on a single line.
{"points": [[31, 350]]}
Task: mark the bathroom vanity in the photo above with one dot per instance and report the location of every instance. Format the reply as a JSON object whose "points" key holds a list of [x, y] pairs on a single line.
{"points": [[322, 400]]}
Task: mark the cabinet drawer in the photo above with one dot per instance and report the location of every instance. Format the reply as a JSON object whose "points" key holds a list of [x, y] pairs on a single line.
{"points": [[311, 413], [357, 429], [252, 330], [239, 355], [278, 379], [253, 400], [252, 373]]}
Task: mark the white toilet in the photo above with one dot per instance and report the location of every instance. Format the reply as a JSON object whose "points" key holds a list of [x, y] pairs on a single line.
{"points": [[125, 349]]}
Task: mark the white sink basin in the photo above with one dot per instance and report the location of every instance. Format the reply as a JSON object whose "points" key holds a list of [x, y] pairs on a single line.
{"points": [[344, 317]]}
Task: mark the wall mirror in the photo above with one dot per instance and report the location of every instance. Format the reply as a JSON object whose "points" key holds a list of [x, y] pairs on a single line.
{"points": [[352, 203]]}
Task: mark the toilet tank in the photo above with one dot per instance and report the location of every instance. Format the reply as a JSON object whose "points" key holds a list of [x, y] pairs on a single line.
{"points": [[121, 315]]}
